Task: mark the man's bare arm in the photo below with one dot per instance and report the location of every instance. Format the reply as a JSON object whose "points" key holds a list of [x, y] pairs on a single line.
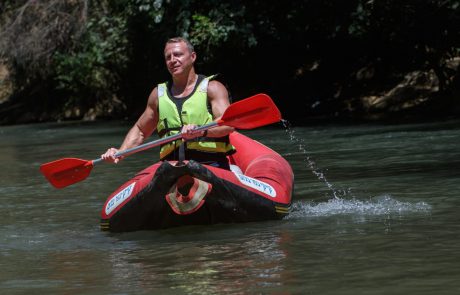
{"points": [[142, 129], [218, 98]]}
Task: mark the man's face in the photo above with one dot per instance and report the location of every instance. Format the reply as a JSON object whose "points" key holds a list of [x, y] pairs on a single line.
{"points": [[178, 58]]}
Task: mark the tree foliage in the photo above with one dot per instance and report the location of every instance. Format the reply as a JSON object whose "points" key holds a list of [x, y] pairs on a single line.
{"points": [[94, 66], [33, 30], [314, 56]]}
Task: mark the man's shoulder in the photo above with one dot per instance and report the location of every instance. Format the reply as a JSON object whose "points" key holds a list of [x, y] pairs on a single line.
{"points": [[153, 97], [215, 84], [217, 90]]}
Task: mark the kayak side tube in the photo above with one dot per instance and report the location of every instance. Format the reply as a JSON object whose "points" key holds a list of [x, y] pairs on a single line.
{"points": [[170, 194]]}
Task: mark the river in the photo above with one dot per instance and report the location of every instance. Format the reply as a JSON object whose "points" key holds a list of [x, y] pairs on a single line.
{"points": [[374, 212]]}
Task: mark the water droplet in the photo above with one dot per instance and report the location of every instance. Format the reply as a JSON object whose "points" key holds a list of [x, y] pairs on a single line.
{"points": [[311, 164]]}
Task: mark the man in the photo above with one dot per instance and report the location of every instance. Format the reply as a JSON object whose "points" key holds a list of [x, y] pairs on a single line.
{"points": [[180, 105]]}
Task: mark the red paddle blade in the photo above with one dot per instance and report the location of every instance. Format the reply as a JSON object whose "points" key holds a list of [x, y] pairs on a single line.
{"points": [[67, 171], [252, 112]]}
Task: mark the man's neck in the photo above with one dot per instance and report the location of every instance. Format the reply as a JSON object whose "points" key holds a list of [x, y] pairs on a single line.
{"points": [[183, 86]]}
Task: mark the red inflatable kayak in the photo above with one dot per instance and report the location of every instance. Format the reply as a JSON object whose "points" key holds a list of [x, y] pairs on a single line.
{"points": [[169, 194]]}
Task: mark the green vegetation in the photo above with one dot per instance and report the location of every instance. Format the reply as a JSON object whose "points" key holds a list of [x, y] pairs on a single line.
{"points": [[72, 59]]}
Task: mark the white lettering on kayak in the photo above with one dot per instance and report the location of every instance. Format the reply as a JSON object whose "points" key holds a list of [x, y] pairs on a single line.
{"points": [[119, 198], [256, 184]]}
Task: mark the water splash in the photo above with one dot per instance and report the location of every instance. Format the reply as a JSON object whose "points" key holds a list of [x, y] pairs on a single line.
{"points": [[302, 146], [344, 201], [380, 205]]}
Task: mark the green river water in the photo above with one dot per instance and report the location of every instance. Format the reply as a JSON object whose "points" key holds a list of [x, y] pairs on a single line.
{"points": [[375, 211]]}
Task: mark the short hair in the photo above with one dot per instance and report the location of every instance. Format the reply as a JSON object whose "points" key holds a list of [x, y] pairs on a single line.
{"points": [[181, 39]]}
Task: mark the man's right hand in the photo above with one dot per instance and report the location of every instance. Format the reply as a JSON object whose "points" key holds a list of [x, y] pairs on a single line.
{"points": [[109, 156]]}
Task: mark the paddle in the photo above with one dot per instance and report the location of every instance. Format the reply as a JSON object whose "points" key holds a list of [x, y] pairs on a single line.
{"points": [[252, 112]]}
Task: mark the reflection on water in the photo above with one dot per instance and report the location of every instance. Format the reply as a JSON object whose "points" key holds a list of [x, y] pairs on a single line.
{"points": [[207, 264]]}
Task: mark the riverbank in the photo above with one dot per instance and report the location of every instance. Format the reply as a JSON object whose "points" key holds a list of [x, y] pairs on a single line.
{"points": [[430, 108], [412, 96]]}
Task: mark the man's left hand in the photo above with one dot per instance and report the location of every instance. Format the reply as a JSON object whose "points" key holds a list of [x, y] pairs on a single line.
{"points": [[189, 132]]}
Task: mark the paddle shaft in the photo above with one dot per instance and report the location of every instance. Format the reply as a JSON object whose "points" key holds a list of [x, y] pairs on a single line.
{"points": [[157, 142], [255, 111]]}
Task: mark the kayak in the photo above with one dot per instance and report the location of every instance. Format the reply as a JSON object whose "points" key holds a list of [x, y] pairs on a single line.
{"points": [[170, 194]]}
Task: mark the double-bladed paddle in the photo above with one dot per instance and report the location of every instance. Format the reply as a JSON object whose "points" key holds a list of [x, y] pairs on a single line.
{"points": [[252, 112]]}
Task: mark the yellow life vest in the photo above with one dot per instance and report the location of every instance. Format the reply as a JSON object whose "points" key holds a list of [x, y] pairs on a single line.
{"points": [[177, 112]]}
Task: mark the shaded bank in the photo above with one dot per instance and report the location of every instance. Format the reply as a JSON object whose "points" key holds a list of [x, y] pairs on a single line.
{"points": [[414, 96]]}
